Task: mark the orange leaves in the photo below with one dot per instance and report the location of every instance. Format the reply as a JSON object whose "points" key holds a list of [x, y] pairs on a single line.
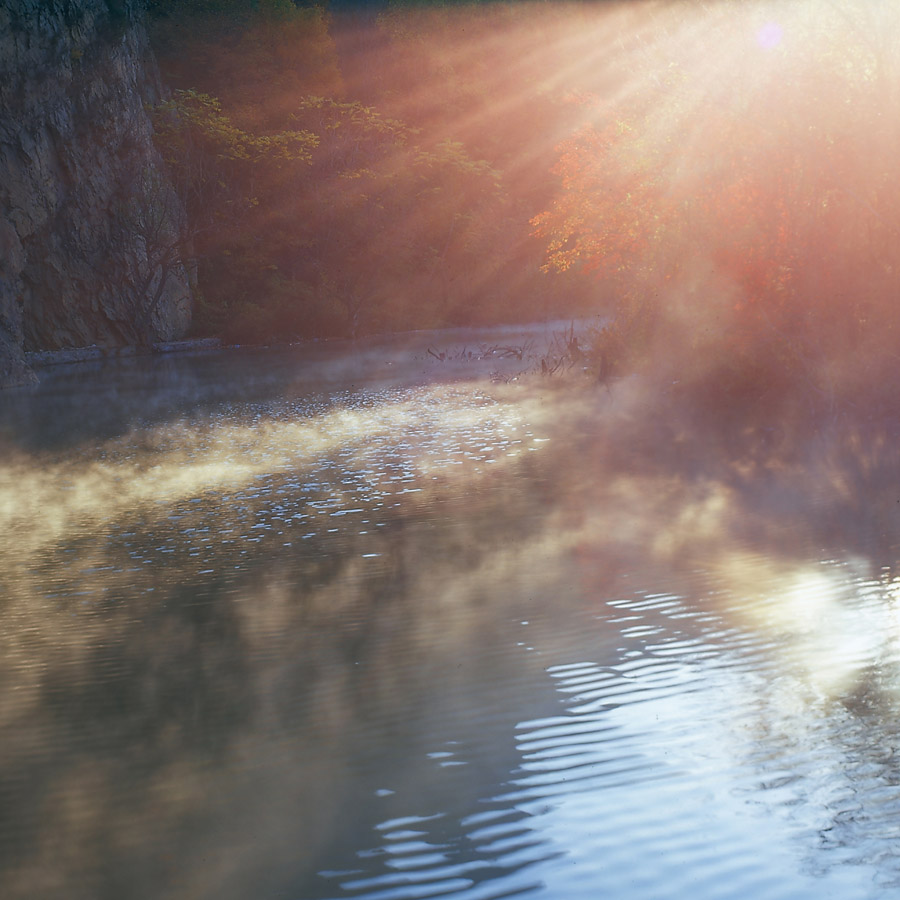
{"points": [[608, 206]]}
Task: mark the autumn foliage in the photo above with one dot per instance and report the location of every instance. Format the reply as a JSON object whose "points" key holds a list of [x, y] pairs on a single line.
{"points": [[336, 178], [740, 202], [719, 179]]}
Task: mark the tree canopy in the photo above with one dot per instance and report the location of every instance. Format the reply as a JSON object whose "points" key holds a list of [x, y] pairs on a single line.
{"points": [[744, 207]]}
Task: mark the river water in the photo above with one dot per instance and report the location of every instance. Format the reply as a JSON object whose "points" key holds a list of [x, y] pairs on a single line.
{"points": [[355, 622]]}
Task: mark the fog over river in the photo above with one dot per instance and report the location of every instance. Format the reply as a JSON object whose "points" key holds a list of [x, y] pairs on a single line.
{"points": [[352, 621]]}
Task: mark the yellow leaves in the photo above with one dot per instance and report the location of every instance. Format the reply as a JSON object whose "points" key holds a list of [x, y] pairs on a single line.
{"points": [[353, 114], [192, 115], [453, 153]]}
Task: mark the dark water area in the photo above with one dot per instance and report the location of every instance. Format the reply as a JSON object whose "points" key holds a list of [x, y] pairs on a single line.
{"points": [[349, 621]]}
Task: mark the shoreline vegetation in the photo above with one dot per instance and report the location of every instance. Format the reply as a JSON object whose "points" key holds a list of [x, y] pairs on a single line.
{"points": [[732, 216], [336, 180], [558, 353]]}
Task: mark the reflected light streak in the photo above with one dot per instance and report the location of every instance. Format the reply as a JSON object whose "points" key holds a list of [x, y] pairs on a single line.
{"points": [[815, 615], [154, 470]]}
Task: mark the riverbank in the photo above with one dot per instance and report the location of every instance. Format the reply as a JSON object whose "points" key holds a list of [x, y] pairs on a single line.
{"points": [[501, 352], [43, 358]]}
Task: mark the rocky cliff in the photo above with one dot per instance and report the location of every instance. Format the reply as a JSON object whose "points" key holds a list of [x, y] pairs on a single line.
{"points": [[89, 223]]}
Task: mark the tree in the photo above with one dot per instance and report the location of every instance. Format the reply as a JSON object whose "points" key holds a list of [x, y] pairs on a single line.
{"points": [[227, 178], [382, 217], [257, 56], [151, 214], [743, 206]]}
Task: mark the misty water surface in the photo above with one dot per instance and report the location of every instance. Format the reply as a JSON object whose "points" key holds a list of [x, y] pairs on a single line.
{"points": [[350, 622]]}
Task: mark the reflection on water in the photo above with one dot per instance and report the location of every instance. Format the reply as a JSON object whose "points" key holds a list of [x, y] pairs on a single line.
{"points": [[336, 624]]}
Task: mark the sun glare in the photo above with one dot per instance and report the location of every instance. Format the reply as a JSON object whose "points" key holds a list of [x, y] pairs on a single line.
{"points": [[466, 148], [769, 36]]}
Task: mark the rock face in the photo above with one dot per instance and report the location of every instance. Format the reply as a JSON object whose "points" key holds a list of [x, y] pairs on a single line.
{"points": [[88, 217]]}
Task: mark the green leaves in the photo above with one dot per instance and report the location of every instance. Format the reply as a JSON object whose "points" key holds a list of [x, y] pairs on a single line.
{"points": [[194, 115]]}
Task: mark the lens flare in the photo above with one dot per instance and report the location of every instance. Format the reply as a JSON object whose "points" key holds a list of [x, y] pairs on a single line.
{"points": [[770, 35]]}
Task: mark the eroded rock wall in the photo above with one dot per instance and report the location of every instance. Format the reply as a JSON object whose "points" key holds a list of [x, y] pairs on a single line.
{"points": [[86, 208]]}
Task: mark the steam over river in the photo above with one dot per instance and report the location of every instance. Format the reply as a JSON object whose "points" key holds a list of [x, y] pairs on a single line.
{"points": [[353, 622]]}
